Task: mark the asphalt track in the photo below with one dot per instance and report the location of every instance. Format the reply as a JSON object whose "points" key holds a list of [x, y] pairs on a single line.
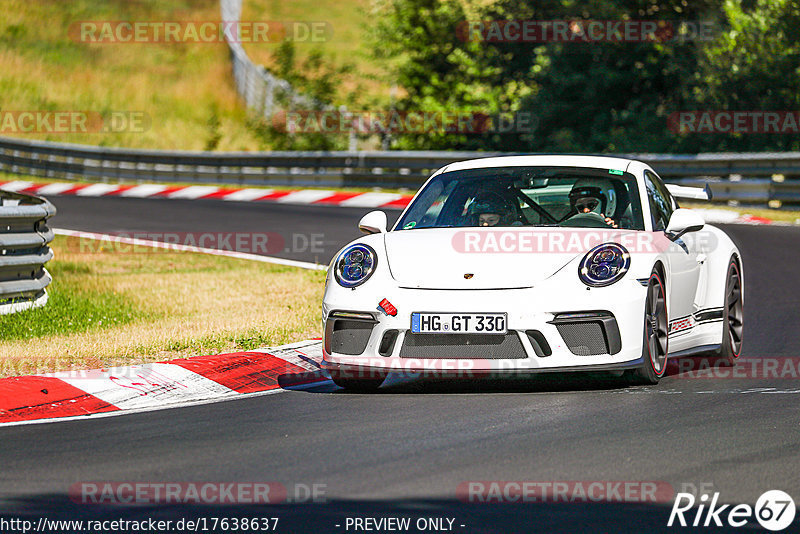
{"points": [[403, 451], [306, 233]]}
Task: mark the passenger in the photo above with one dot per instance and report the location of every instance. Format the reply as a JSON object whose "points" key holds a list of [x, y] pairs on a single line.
{"points": [[491, 209]]}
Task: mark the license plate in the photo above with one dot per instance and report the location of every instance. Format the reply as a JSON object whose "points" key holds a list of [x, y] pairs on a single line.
{"points": [[459, 323]]}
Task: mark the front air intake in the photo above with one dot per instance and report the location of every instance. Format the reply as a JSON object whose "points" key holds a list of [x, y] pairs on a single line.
{"points": [[350, 337], [589, 333]]}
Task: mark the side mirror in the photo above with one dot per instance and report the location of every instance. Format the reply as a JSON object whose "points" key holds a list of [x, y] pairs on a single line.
{"points": [[683, 221], [373, 222]]}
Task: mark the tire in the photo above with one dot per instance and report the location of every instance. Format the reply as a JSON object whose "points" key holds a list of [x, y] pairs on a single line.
{"points": [[655, 338], [357, 384], [732, 317]]}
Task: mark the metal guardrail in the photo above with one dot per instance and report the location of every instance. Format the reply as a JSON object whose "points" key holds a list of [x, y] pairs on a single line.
{"points": [[24, 238], [750, 191], [391, 169], [332, 169]]}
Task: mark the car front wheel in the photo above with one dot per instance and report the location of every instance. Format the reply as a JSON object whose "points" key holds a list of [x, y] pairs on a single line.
{"points": [[655, 346], [732, 317]]}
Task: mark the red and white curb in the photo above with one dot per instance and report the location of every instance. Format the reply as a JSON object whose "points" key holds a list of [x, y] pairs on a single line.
{"points": [[154, 386], [347, 199]]}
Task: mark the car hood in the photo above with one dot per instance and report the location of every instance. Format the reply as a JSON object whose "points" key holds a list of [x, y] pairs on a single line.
{"points": [[444, 258]]}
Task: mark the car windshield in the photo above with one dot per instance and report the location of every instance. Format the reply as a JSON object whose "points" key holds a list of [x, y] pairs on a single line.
{"points": [[527, 196]]}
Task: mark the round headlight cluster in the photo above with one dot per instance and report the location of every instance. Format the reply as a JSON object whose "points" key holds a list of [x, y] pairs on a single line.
{"points": [[604, 265], [354, 265]]}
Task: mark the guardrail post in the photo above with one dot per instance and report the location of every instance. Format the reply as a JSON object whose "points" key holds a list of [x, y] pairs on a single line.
{"points": [[24, 238]]}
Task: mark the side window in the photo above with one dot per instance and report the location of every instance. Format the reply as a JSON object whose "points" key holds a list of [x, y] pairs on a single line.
{"points": [[660, 200]]}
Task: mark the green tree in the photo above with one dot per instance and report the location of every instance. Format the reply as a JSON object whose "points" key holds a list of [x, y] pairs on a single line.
{"points": [[315, 78], [595, 96], [437, 69], [606, 96], [753, 65]]}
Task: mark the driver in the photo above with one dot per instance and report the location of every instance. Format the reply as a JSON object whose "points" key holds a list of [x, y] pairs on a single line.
{"points": [[588, 197], [490, 209]]}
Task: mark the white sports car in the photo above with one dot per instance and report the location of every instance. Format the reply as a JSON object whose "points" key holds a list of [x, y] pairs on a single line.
{"points": [[524, 264]]}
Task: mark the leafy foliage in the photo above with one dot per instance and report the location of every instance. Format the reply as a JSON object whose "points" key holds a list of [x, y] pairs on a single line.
{"points": [[438, 70], [595, 96], [318, 81], [754, 65]]}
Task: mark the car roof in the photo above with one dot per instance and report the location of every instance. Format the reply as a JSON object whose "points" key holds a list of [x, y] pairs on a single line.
{"points": [[551, 160]]}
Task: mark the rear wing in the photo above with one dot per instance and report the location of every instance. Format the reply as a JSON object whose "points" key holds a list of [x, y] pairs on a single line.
{"points": [[696, 193]]}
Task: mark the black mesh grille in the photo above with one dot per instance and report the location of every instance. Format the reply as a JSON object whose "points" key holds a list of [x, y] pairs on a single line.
{"points": [[456, 346], [350, 337], [583, 339]]}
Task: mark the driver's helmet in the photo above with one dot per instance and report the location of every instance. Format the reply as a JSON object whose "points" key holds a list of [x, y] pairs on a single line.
{"points": [[597, 195], [489, 202]]}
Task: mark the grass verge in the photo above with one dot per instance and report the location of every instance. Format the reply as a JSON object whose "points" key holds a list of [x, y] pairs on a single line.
{"points": [[782, 215], [109, 308]]}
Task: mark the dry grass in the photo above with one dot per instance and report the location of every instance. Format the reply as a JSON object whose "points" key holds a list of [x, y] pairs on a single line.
{"points": [[347, 44], [179, 86], [783, 215], [173, 305], [186, 89]]}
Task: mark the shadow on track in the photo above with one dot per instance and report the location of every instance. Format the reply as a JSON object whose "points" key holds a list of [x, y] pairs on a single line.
{"points": [[703, 366], [420, 384]]}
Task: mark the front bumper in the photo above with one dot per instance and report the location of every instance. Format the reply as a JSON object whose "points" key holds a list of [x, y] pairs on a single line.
{"points": [[546, 330]]}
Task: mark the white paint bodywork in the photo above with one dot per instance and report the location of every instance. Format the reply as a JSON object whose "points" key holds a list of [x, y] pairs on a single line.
{"points": [[421, 271]]}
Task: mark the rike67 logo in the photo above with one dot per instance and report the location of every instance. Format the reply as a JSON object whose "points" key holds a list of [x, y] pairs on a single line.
{"points": [[774, 510]]}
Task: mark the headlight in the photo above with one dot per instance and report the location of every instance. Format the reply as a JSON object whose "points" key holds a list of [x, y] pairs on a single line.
{"points": [[355, 265], [604, 265]]}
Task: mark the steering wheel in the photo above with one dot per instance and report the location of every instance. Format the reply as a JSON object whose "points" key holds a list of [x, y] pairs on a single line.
{"points": [[586, 220]]}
